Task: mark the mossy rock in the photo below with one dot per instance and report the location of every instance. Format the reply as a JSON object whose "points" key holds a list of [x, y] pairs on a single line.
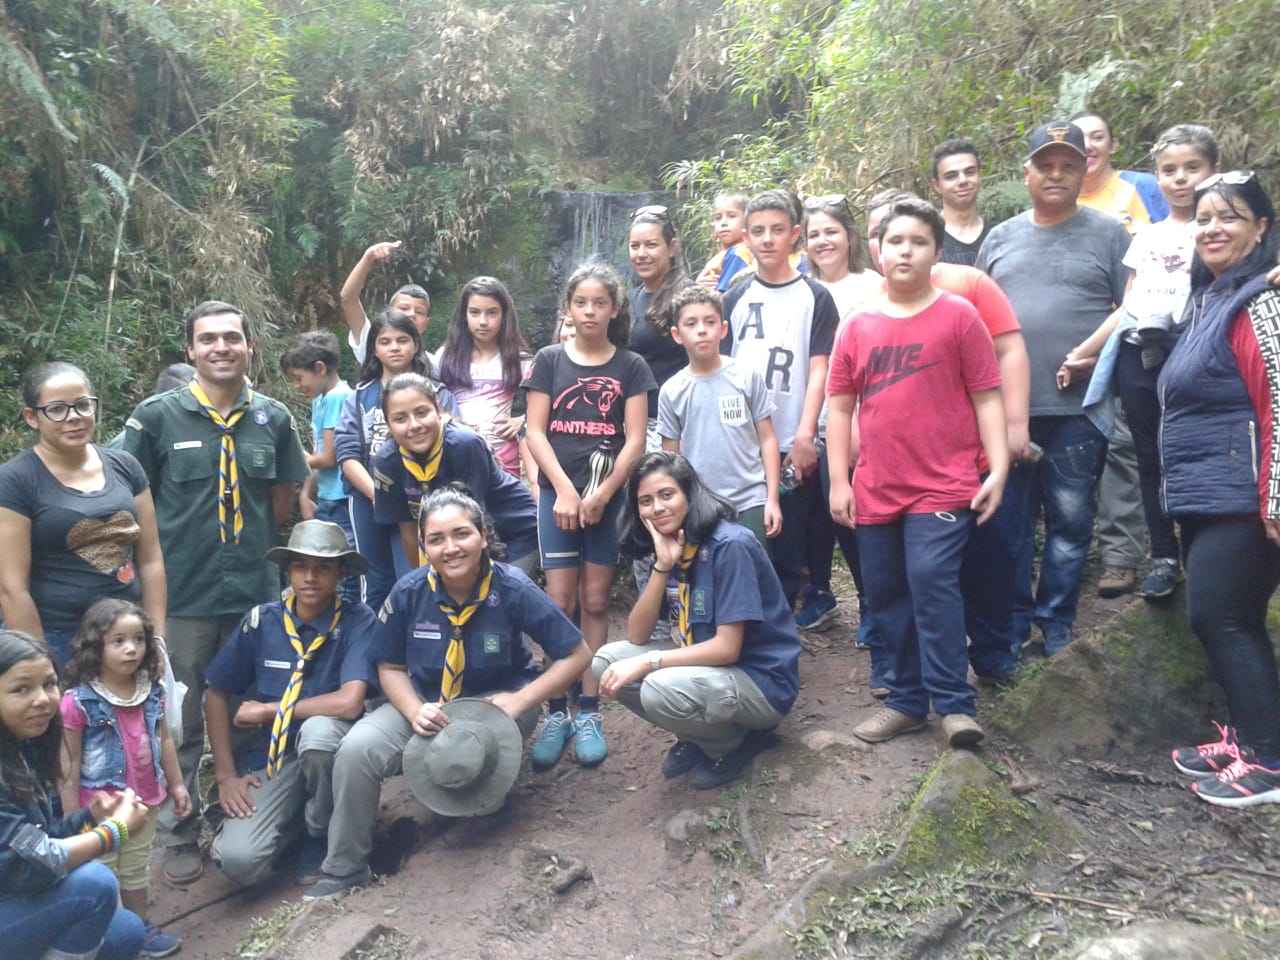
{"points": [[966, 815], [1142, 682]]}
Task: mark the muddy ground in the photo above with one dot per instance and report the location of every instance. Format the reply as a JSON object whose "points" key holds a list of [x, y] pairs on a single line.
{"points": [[650, 868]]}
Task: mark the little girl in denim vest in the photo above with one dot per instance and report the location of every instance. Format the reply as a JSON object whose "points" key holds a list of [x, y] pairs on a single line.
{"points": [[115, 735]]}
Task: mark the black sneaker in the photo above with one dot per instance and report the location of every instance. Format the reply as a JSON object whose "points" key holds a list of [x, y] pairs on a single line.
{"points": [[1208, 759], [682, 758], [311, 854], [1164, 577], [716, 773], [1243, 784]]}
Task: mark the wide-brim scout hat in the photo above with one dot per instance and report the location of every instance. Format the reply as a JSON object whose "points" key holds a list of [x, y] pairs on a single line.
{"points": [[319, 540], [469, 767]]}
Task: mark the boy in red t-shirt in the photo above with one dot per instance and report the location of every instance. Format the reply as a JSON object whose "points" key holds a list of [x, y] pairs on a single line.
{"points": [[922, 375]]}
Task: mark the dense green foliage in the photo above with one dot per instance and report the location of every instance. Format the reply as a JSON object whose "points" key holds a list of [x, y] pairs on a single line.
{"points": [[861, 90], [155, 154]]}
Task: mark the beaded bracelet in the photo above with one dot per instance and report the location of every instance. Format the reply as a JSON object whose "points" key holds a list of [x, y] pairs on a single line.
{"points": [[111, 827], [121, 827], [104, 838]]}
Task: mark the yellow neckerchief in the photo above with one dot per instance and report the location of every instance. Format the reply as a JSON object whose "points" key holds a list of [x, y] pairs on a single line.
{"points": [[228, 471], [284, 716], [424, 473], [686, 561], [455, 658]]}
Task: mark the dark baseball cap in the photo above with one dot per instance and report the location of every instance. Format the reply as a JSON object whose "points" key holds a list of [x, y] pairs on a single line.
{"points": [[1056, 133]]}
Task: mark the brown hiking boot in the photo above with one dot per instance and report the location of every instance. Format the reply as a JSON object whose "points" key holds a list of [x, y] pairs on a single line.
{"points": [[885, 724], [1117, 581], [962, 730]]}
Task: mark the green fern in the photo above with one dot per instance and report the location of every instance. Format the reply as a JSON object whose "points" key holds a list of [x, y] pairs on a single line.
{"points": [[154, 22], [114, 181], [17, 68]]}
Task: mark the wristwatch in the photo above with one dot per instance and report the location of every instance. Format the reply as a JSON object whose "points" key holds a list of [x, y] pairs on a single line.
{"points": [[655, 659]]}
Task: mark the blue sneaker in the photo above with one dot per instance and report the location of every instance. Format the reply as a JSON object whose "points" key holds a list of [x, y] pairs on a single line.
{"points": [[547, 749], [817, 607], [157, 943], [1057, 637], [589, 748]]}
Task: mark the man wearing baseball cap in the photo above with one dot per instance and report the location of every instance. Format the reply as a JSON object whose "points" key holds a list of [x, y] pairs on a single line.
{"points": [[1061, 265]]}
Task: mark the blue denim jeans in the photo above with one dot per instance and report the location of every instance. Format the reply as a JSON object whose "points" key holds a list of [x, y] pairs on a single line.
{"points": [[381, 547], [911, 568], [989, 570], [74, 917], [351, 590], [1064, 484]]}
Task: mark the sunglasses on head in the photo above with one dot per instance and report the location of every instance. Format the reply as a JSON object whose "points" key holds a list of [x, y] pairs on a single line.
{"points": [[656, 210], [826, 200], [1232, 178]]}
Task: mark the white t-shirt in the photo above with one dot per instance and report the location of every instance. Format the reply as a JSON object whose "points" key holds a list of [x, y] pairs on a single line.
{"points": [[1160, 257], [775, 330]]}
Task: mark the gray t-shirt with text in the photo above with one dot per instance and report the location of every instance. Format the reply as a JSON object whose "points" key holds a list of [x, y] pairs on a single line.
{"points": [[714, 417]]}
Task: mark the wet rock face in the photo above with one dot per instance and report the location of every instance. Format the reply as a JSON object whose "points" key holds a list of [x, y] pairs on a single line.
{"points": [[588, 225], [1161, 940]]}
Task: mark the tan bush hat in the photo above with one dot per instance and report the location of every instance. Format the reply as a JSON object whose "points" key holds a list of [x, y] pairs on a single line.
{"points": [[320, 540], [469, 767]]}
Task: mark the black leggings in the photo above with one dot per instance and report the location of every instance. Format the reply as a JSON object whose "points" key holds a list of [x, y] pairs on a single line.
{"points": [[1232, 570], [1137, 387]]}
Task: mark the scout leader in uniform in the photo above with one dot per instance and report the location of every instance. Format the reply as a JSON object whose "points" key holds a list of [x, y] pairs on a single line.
{"points": [[223, 462]]}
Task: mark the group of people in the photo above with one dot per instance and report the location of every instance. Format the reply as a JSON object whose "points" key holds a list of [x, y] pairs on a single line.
{"points": [[922, 402]]}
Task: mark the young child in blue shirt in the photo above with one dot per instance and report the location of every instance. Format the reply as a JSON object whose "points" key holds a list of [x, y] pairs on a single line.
{"points": [[311, 364], [719, 414]]}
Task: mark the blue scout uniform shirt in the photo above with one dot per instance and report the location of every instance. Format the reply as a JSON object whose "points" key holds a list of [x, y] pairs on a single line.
{"points": [[257, 662], [415, 633], [467, 459], [732, 581]]}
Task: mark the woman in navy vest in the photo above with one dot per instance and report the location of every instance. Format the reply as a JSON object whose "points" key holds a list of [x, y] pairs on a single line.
{"points": [[1219, 397]]}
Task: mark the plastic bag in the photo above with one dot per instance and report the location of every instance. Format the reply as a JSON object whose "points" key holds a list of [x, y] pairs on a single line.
{"points": [[175, 691]]}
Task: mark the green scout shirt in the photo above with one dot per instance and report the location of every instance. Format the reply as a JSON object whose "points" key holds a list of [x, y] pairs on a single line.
{"points": [[178, 447]]}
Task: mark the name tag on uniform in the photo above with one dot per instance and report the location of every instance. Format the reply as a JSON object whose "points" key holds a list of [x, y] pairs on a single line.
{"points": [[426, 634], [278, 664], [188, 444]]}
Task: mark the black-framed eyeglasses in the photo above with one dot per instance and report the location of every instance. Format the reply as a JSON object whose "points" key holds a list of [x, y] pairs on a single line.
{"points": [[652, 210], [826, 200], [57, 411], [1232, 178]]}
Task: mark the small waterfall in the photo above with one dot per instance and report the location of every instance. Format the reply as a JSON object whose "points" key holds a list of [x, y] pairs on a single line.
{"points": [[588, 225]]}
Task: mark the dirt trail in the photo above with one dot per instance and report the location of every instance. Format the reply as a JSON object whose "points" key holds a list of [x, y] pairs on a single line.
{"points": [[674, 873]]}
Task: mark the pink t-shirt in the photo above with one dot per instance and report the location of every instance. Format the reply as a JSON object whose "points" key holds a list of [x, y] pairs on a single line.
{"points": [[920, 450], [487, 401], [139, 768]]}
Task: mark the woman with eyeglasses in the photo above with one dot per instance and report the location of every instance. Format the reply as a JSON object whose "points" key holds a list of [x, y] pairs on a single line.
{"points": [[1219, 399], [77, 522]]}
